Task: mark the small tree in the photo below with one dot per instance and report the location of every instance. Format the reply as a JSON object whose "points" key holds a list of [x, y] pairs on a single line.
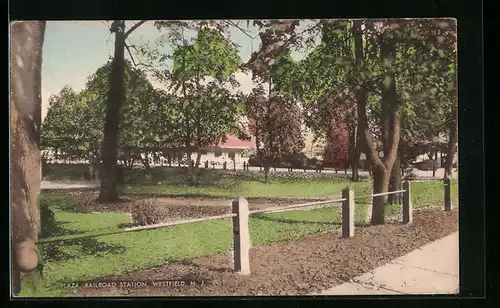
{"points": [[337, 148], [203, 111], [276, 124], [73, 126]]}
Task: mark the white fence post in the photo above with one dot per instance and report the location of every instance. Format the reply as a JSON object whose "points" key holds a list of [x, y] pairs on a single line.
{"points": [[347, 213], [407, 206], [241, 237]]}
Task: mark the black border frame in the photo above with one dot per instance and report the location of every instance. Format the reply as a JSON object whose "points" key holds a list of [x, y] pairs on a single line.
{"points": [[471, 134]]}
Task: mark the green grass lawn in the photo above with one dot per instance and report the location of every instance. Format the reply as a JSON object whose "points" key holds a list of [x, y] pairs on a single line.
{"points": [[84, 259], [249, 189]]}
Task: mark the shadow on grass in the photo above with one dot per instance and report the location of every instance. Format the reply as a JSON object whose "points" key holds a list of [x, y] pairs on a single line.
{"points": [[82, 247], [126, 225], [51, 227], [85, 246], [295, 221]]}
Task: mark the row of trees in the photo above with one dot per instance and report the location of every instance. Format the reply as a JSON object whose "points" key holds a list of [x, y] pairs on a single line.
{"points": [[384, 80], [152, 120], [369, 85]]}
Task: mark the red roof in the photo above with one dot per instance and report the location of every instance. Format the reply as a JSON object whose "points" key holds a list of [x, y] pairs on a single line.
{"points": [[233, 142]]}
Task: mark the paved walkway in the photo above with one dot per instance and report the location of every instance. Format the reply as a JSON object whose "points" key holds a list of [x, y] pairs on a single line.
{"points": [[431, 269]]}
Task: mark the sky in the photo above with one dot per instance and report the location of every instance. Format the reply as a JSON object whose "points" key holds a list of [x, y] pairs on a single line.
{"points": [[73, 50]]}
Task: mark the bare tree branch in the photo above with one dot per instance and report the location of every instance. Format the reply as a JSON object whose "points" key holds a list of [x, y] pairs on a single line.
{"points": [[130, 54], [231, 23], [136, 64], [137, 25]]}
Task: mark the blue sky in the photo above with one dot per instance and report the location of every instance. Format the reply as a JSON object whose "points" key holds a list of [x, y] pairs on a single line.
{"points": [[73, 50]]}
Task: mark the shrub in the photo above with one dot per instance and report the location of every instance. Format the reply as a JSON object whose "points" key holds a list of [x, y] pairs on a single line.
{"points": [[293, 160], [279, 176], [336, 152], [147, 212], [254, 160], [85, 201]]}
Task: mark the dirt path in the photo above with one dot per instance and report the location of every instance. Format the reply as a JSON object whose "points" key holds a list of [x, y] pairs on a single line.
{"points": [[179, 208], [292, 268]]}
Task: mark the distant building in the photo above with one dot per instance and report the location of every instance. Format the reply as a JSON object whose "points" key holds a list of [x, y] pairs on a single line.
{"points": [[230, 150]]}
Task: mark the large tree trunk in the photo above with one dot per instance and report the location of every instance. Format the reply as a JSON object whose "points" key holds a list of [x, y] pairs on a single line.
{"points": [[267, 167], [452, 145], [198, 160], [190, 164], [434, 163], [381, 169], [403, 163], [25, 118], [95, 169], [360, 96], [380, 185], [354, 152], [391, 127], [116, 97], [195, 167], [145, 161], [395, 183]]}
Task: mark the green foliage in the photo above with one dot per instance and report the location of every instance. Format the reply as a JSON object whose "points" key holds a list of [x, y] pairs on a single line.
{"points": [[73, 127], [424, 67], [211, 55], [74, 123], [206, 118], [276, 124], [202, 112]]}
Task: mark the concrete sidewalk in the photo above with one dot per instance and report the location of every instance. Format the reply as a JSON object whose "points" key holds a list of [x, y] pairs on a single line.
{"points": [[431, 269]]}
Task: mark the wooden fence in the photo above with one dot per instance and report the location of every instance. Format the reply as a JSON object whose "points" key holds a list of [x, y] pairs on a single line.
{"points": [[240, 215]]}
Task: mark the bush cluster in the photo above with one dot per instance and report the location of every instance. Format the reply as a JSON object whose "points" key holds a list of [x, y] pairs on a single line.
{"points": [[295, 161], [147, 212], [296, 175]]}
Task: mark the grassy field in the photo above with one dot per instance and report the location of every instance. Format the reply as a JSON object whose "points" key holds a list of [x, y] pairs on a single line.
{"points": [[84, 259], [216, 183]]}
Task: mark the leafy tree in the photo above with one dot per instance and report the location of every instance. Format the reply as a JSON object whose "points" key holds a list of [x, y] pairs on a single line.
{"points": [[275, 122], [321, 83], [370, 61], [139, 129], [204, 111], [73, 127], [337, 146]]}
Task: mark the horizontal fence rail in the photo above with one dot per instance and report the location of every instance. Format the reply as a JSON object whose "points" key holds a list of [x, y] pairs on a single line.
{"points": [[382, 194], [240, 220], [291, 207], [134, 229]]}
